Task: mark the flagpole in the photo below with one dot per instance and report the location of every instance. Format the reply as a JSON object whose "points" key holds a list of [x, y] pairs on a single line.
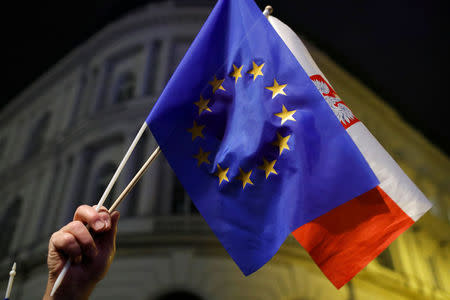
{"points": [[103, 198], [121, 166], [10, 281], [135, 179]]}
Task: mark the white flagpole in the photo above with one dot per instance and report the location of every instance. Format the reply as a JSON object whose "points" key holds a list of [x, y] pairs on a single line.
{"points": [[121, 166], [10, 281], [135, 179], [103, 198]]}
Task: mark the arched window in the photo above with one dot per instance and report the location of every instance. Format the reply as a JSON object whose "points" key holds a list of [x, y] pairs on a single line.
{"points": [[37, 136], [125, 87], [178, 295], [3, 144], [8, 223], [181, 202], [104, 175]]}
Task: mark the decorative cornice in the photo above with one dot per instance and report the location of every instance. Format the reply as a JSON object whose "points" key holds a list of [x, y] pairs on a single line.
{"points": [[144, 19]]}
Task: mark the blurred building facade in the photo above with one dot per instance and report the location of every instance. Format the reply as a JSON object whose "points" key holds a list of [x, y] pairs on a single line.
{"points": [[62, 138]]}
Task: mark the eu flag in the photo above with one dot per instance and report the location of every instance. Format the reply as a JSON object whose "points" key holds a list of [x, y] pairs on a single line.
{"points": [[251, 139]]}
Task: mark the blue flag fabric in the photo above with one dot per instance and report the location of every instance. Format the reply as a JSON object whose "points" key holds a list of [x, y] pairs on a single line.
{"points": [[251, 139]]}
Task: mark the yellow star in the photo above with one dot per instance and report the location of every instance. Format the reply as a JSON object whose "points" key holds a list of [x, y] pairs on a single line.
{"points": [[222, 174], [286, 115], [276, 88], [217, 84], [268, 167], [245, 177], [202, 105], [236, 73], [196, 131], [281, 142], [256, 71], [202, 157]]}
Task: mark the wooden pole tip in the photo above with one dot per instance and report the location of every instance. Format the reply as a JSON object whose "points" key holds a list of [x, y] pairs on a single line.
{"points": [[268, 11], [13, 270]]}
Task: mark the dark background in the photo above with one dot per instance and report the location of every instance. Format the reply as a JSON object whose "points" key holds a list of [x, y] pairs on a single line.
{"points": [[398, 48]]}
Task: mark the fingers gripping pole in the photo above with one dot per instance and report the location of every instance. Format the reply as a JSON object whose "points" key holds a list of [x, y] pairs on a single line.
{"points": [[103, 198], [61, 276]]}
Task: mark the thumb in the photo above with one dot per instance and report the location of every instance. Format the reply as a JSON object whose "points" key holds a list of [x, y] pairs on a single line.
{"points": [[108, 238]]}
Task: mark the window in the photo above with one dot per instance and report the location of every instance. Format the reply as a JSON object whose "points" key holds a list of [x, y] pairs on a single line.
{"points": [[104, 175], [8, 224], [2, 147], [37, 136], [125, 87], [181, 203], [153, 68]]}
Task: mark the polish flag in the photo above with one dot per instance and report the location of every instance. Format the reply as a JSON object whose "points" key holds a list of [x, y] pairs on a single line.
{"points": [[343, 241]]}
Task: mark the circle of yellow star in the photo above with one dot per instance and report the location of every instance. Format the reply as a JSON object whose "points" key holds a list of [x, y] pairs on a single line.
{"points": [[202, 157], [286, 115], [245, 177], [222, 174], [256, 71], [268, 167], [236, 73], [281, 142], [202, 105], [196, 131], [276, 88], [217, 84]]}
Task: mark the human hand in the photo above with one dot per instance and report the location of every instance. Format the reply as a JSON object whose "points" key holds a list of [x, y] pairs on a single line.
{"points": [[91, 251]]}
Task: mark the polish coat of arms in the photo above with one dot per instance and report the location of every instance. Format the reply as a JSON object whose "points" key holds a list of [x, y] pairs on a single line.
{"points": [[342, 112]]}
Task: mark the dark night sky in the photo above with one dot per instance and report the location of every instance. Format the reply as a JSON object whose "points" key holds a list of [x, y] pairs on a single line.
{"points": [[398, 48]]}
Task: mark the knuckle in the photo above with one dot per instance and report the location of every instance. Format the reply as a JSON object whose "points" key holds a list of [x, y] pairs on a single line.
{"points": [[78, 226], [81, 211], [54, 235], [67, 239], [84, 206], [103, 209]]}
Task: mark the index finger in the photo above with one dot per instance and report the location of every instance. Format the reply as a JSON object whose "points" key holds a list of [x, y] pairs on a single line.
{"points": [[96, 220]]}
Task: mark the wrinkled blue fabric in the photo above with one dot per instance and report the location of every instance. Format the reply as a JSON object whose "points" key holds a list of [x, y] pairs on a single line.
{"points": [[322, 169]]}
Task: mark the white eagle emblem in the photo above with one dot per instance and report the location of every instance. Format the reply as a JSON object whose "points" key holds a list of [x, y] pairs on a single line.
{"points": [[342, 112], [321, 86]]}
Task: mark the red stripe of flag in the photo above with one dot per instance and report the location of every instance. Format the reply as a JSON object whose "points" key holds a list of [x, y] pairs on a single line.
{"points": [[337, 241]]}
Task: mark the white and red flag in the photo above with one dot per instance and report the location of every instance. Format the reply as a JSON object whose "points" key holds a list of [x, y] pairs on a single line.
{"points": [[344, 240]]}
